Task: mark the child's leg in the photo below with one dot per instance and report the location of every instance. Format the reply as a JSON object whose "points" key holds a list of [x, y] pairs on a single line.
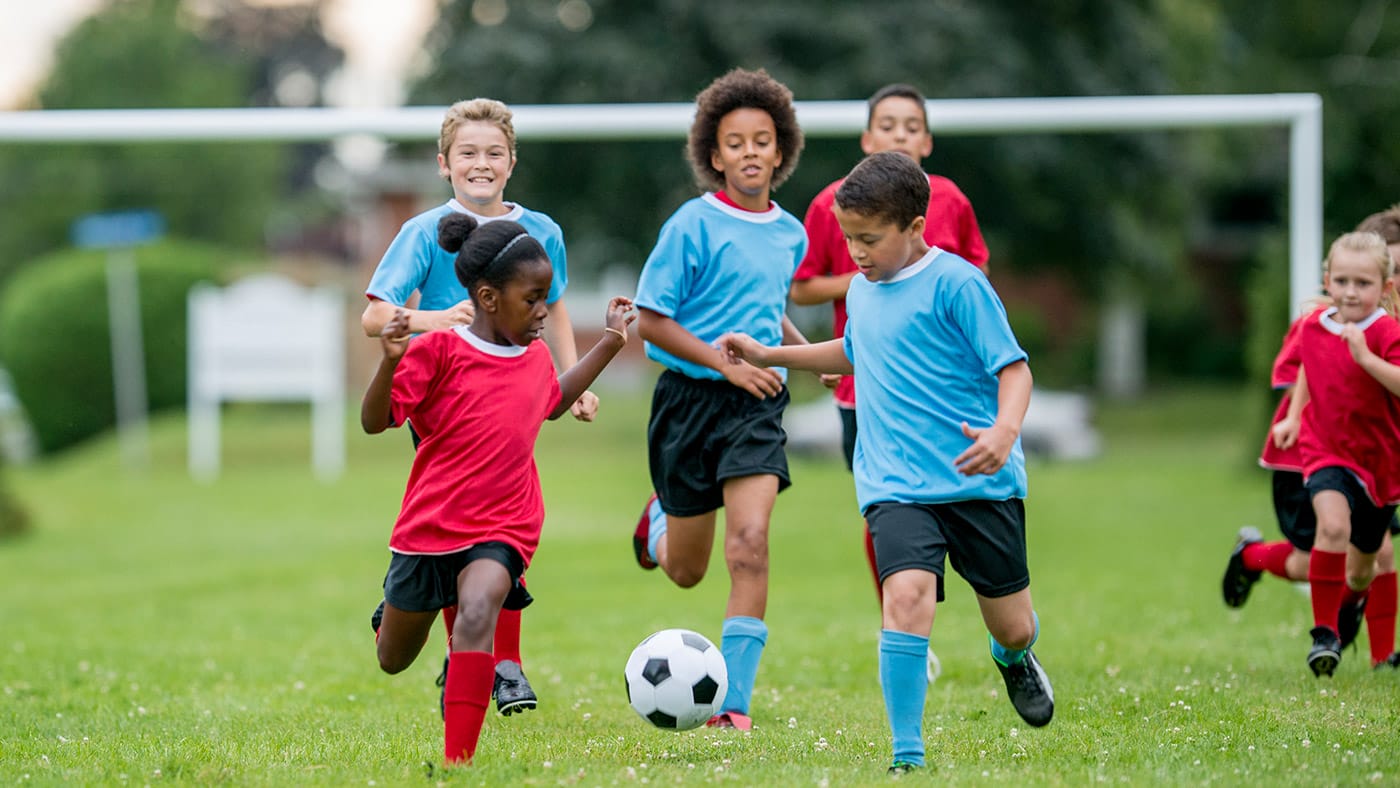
{"points": [[908, 609], [1013, 628], [481, 588], [748, 505], [1328, 566], [683, 547], [401, 636], [1381, 605]]}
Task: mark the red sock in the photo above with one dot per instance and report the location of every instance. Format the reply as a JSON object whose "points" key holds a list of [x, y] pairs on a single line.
{"points": [[1271, 557], [465, 697], [874, 567], [1380, 617], [507, 645], [449, 617], [1327, 576]]}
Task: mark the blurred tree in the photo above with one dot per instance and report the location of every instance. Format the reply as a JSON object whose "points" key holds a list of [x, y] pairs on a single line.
{"points": [[13, 519], [153, 54]]}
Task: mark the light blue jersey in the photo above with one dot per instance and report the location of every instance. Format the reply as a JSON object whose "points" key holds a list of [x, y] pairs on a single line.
{"points": [[414, 261], [926, 347], [716, 269]]}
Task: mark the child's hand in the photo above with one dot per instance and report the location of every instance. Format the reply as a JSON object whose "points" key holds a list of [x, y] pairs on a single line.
{"points": [[738, 348], [459, 314], [1285, 432], [585, 408], [760, 382], [988, 452], [394, 338], [619, 316], [1356, 342], [829, 380]]}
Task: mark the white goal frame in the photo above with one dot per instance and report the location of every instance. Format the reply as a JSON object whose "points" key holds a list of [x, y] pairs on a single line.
{"points": [[1300, 112]]}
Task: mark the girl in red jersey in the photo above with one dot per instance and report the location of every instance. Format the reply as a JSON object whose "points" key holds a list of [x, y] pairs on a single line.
{"points": [[472, 512], [1345, 415]]}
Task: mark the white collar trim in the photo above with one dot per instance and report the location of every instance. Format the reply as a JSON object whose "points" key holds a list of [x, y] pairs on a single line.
{"points": [[757, 217], [913, 270], [1331, 324], [489, 348], [514, 214]]}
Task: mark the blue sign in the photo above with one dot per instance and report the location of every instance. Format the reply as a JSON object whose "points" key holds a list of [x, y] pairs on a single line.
{"points": [[122, 228]]}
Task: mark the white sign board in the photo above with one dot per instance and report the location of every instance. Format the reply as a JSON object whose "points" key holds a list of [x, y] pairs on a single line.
{"points": [[266, 338]]}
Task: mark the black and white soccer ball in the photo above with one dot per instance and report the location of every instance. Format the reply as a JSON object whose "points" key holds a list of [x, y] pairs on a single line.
{"points": [[676, 679]]}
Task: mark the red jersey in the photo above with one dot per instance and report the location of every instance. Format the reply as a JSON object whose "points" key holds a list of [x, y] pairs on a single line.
{"points": [[1286, 365], [950, 225], [478, 408], [1351, 421]]}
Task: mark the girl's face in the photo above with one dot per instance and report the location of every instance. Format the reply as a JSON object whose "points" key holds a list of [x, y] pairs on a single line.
{"points": [[879, 248], [897, 124], [1356, 284], [516, 314], [478, 164], [746, 152]]}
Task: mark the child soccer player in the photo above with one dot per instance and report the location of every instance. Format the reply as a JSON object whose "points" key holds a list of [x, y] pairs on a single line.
{"points": [[722, 263], [897, 120], [1345, 414], [1289, 558], [938, 465], [472, 511], [476, 155]]}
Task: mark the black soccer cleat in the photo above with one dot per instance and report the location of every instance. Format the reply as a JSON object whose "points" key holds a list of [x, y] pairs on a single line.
{"points": [[1029, 689], [1391, 662], [1238, 581], [1349, 620], [901, 768], [512, 690], [1326, 651], [377, 617]]}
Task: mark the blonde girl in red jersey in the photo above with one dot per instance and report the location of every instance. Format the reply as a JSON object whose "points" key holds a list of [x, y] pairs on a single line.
{"points": [[473, 510], [1345, 415]]}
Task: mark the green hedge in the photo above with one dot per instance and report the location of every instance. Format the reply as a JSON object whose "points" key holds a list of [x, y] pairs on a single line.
{"points": [[55, 340]]}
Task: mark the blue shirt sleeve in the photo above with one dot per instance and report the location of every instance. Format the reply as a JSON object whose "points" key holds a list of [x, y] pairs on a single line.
{"points": [[404, 267], [979, 311], [667, 275]]}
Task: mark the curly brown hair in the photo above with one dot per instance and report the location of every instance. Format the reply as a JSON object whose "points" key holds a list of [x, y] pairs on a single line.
{"points": [[741, 89]]}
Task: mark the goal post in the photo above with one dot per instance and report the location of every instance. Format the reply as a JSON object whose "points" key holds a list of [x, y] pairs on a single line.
{"points": [[1301, 113]]}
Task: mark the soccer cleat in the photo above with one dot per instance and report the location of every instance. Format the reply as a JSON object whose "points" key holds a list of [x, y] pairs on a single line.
{"points": [[441, 681], [1391, 662], [933, 667], [1238, 581], [512, 690], [901, 768], [1326, 651], [1029, 689], [731, 719], [1349, 620], [642, 534], [377, 617]]}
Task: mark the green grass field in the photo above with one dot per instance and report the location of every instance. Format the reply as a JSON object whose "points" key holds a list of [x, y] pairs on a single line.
{"points": [[161, 631]]}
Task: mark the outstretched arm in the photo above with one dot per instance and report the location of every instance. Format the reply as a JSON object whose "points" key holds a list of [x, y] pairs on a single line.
{"points": [[374, 408], [992, 445], [576, 379], [673, 338], [379, 313], [820, 289], [822, 357]]}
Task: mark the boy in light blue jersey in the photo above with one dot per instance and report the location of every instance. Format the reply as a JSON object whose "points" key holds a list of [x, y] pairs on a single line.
{"points": [[938, 466], [722, 263]]}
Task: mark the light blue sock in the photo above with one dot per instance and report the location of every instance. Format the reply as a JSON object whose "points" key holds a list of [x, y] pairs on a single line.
{"points": [[657, 527], [904, 681], [741, 643], [1011, 656]]}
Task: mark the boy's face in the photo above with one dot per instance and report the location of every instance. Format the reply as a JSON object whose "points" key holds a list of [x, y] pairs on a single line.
{"points": [[478, 164], [878, 246], [746, 152], [897, 124]]}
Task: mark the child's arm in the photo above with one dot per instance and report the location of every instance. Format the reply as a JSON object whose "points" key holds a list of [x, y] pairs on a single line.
{"points": [[820, 289], [1385, 373], [576, 379], [559, 335], [673, 338], [1285, 432], [822, 357], [378, 314], [374, 408], [992, 445]]}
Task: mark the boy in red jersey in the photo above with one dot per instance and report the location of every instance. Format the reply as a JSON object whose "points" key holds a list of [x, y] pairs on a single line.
{"points": [[1345, 414], [897, 120], [473, 510]]}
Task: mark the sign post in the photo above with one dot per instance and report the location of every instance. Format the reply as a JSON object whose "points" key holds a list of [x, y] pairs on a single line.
{"points": [[119, 233]]}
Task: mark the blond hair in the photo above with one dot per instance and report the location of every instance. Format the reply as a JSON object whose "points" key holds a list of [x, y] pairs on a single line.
{"points": [[483, 110], [1373, 246]]}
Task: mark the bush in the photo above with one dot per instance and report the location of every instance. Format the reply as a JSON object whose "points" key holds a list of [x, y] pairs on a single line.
{"points": [[55, 341]]}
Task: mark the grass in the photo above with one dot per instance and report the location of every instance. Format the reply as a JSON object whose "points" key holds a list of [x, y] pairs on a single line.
{"points": [[163, 631]]}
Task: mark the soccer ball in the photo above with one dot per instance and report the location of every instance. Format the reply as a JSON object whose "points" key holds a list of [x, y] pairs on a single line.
{"points": [[676, 679]]}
